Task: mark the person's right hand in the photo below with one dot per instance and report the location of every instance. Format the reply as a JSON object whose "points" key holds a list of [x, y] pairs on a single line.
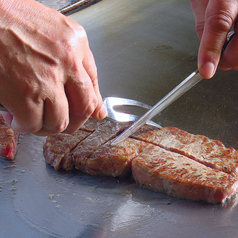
{"points": [[214, 21], [48, 77]]}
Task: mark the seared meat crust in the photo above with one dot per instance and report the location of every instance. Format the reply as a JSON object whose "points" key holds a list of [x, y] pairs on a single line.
{"points": [[165, 160], [8, 140], [177, 175], [211, 153]]}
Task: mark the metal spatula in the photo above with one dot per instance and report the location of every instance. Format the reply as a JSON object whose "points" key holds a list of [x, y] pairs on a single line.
{"points": [[112, 114]]}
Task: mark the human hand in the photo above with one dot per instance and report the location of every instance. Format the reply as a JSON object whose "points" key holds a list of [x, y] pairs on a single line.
{"points": [[48, 77], [214, 20]]}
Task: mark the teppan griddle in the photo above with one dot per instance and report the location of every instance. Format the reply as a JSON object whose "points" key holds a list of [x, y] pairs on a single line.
{"points": [[67, 6], [143, 49]]}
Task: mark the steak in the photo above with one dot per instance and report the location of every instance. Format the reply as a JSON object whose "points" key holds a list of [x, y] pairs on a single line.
{"points": [[165, 160], [164, 171], [211, 153], [58, 146], [114, 160], [64, 151], [8, 140]]}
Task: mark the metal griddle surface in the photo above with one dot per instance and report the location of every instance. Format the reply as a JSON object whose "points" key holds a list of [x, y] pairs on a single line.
{"points": [[57, 4], [143, 49]]}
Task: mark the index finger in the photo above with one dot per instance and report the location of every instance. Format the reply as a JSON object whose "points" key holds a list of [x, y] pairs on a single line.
{"points": [[91, 68], [219, 19]]}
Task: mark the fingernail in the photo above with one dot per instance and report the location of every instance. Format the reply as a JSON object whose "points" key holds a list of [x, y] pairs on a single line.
{"points": [[207, 70], [102, 113]]}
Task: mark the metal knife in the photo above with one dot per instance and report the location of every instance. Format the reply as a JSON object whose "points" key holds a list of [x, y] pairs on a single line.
{"points": [[178, 91]]}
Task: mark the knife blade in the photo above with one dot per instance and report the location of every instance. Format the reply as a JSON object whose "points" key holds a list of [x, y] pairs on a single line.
{"points": [[178, 91], [173, 95]]}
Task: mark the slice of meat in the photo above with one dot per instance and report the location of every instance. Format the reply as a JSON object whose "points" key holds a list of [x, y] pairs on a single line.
{"points": [[59, 145], [164, 171], [100, 136], [211, 153], [167, 160], [92, 124], [114, 160], [88, 151], [8, 140]]}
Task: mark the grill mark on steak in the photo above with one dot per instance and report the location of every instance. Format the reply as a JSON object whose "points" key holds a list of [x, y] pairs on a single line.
{"points": [[211, 153]]}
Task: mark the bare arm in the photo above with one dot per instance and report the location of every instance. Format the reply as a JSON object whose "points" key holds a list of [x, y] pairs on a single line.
{"points": [[48, 77]]}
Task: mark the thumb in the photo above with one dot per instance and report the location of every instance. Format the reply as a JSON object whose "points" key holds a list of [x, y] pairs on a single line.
{"points": [[219, 18]]}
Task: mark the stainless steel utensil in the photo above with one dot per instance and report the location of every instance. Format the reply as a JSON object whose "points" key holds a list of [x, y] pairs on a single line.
{"points": [[112, 114], [110, 104], [178, 91]]}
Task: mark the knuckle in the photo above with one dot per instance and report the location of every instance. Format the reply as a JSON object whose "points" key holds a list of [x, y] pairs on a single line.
{"points": [[221, 21], [80, 31], [77, 33], [199, 29], [74, 43], [213, 51], [61, 126], [91, 106], [95, 80]]}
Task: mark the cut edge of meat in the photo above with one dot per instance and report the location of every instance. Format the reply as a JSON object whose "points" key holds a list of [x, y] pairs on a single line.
{"points": [[8, 150], [218, 196], [9, 140], [157, 177], [56, 158], [92, 124], [93, 159], [114, 161], [227, 152], [84, 150]]}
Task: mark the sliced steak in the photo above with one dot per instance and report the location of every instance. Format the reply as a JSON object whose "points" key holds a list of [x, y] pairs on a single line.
{"points": [[164, 171], [211, 153], [8, 140], [57, 146], [114, 160], [167, 160], [100, 136], [92, 124]]}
